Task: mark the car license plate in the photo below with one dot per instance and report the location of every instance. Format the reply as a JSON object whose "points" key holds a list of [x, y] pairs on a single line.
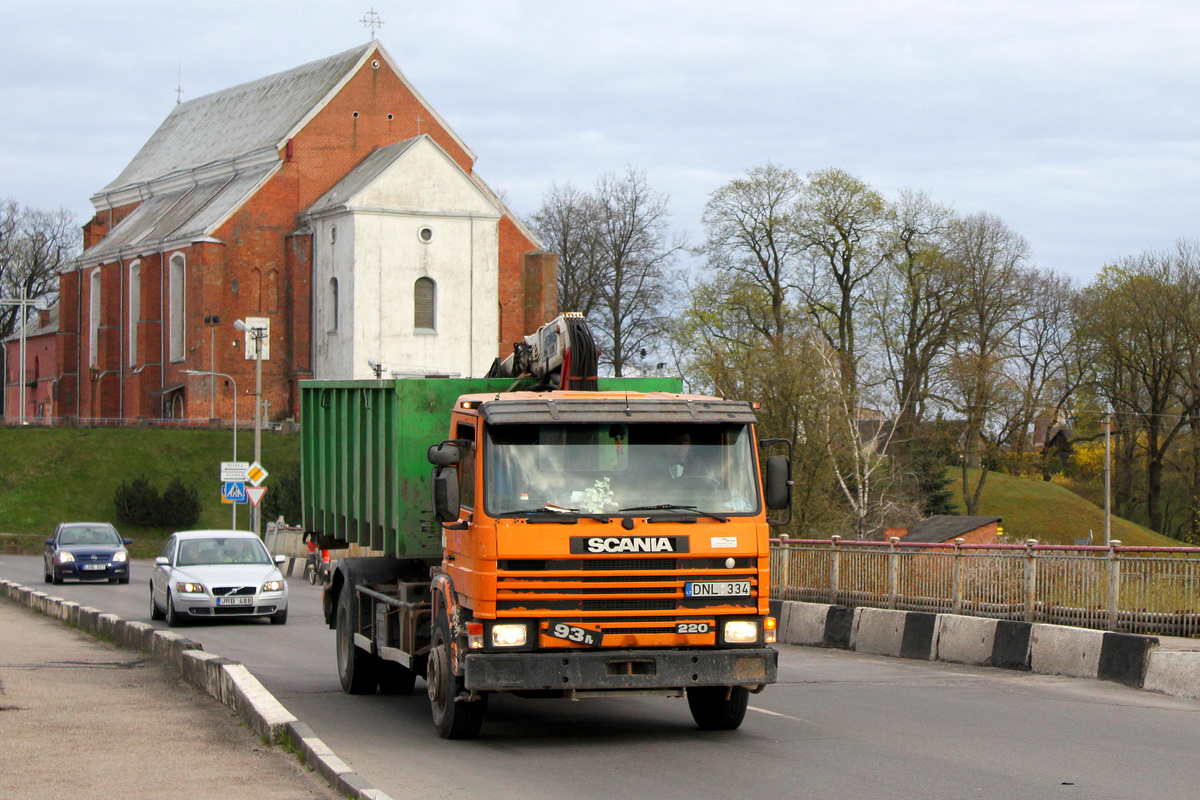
{"points": [[716, 589], [95, 566], [235, 601]]}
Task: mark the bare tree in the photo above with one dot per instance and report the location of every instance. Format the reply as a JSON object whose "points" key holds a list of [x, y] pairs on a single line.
{"points": [[34, 246], [749, 226], [635, 247], [566, 224], [841, 222]]}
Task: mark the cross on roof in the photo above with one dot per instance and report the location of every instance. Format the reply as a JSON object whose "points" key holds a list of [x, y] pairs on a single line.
{"points": [[372, 21]]}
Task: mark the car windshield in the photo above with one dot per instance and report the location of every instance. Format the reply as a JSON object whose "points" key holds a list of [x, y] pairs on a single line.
{"points": [[607, 468], [221, 550], [91, 534]]}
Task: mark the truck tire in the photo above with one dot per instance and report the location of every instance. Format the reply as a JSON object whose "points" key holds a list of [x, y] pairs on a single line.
{"points": [[718, 708], [357, 669], [453, 718], [395, 679]]}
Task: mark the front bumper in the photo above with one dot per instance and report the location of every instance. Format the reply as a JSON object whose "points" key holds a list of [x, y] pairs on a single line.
{"points": [[613, 670], [108, 571], [203, 605]]}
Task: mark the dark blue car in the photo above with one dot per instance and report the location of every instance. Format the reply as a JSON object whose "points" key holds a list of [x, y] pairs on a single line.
{"points": [[87, 551]]}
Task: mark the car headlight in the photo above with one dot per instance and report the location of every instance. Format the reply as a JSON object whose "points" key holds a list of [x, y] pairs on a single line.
{"points": [[188, 588], [121, 557], [509, 635], [65, 558], [741, 631], [273, 586]]}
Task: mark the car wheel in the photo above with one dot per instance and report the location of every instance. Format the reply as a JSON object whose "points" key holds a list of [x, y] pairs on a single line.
{"points": [[56, 576], [279, 617], [453, 718], [718, 708], [358, 670], [174, 618], [123, 580], [46, 574], [155, 611]]}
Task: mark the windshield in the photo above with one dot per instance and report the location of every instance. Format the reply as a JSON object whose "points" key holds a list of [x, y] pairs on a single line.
{"points": [[604, 468], [92, 534], [197, 552]]}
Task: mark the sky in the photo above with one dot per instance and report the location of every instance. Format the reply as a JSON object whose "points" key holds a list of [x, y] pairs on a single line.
{"points": [[1077, 123]]}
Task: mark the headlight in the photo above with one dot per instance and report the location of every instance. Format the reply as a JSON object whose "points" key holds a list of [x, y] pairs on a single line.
{"points": [[273, 586], [65, 558], [189, 588], [120, 557], [741, 631], [509, 635]]}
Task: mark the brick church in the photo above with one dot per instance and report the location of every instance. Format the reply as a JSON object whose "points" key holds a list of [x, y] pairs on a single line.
{"points": [[331, 210]]}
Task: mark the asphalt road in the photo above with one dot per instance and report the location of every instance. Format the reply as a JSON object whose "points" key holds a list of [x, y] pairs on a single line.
{"points": [[838, 725]]}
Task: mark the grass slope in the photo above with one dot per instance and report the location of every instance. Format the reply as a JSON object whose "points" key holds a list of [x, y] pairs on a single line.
{"points": [[51, 475], [1052, 514]]}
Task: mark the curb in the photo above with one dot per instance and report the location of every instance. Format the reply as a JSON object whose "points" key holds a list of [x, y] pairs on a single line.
{"points": [[1130, 659], [229, 682]]}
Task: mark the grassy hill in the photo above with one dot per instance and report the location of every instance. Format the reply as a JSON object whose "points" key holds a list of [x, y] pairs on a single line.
{"points": [[1052, 514], [51, 475]]}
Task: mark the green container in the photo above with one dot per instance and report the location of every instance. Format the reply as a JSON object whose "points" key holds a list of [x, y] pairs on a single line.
{"points": [[364, 472]]}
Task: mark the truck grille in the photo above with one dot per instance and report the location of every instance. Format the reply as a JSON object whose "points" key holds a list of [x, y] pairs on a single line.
{"points": [[600, 585]]}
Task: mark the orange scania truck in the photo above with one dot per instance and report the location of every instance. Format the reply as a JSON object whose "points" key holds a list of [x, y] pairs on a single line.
{"points": [[546, 533]]}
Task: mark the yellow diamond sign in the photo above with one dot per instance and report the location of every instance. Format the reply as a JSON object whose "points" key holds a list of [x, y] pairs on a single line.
{"points": [[256, 474]]}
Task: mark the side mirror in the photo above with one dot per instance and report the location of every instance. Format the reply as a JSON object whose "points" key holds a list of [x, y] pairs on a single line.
{"points": [[779, 482], [445, 492], [49, 543], [279, 559], [127, 541], [446, 454], [162, 561]]}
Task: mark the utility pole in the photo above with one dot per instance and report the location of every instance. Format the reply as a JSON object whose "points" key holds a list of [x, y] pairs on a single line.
{"points": [[1107, 476], [258, 335]]}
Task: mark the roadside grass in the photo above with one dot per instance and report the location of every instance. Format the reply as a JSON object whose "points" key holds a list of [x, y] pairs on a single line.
{"points": [[52, 475], [1050, 513]]}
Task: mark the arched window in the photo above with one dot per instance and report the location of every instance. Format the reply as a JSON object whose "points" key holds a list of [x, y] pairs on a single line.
{"points": [[425, 305], [177, 307], [332, 310], [135, 309], [94, 320]]}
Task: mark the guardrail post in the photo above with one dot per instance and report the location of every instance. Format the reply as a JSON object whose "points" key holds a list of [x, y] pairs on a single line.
{"points": [[1114, 583], [1030, 577], [834, 569], [893, 572], [956, 588], [785, 562]]}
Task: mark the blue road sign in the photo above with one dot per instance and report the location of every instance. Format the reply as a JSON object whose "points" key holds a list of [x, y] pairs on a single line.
{"points": [[234, 492]]}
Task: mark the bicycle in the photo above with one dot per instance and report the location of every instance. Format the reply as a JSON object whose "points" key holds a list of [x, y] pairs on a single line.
{"points": [[316, 563]]}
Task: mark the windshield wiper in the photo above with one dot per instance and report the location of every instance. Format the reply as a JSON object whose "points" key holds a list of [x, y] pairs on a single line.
{"points": [[565, 514], [676, 507]]}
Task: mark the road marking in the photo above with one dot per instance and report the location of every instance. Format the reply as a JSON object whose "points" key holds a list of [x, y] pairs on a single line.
{"points": [[777, 714]]}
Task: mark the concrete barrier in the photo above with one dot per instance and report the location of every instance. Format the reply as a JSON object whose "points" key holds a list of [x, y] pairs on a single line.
{"points": [[804, 623], [1011, 647], [878, 631], [1063, 650], [1173, 673], [1124, 657], [965, 640]]}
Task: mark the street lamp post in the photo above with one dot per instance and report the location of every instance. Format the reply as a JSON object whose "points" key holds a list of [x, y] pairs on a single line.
{"points": [[258, 335], [229, 378]]}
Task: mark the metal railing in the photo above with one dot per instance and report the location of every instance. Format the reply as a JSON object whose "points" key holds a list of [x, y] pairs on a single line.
{"points": [[1129, 589]]}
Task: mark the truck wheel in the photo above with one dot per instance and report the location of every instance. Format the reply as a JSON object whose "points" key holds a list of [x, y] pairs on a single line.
{"points": [[395, 679], [453, 718], [357, 669], [718, 708]]}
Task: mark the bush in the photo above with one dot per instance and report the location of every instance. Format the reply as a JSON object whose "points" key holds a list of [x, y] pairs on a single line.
{"points": [[137, 503], [180, 508], [283, 497]]}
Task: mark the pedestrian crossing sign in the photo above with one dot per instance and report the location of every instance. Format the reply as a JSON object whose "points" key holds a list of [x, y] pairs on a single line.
{"points": [[233, 492]]}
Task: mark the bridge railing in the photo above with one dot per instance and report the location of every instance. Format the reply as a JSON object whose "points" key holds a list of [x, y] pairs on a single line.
{"points": [[1154, 590]]}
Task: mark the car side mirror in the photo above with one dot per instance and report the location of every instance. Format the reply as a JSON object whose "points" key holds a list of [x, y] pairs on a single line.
{"points": [[279, 559], [49, 543], [127, 541], [162, 561], [779, 482], [445, 493]]}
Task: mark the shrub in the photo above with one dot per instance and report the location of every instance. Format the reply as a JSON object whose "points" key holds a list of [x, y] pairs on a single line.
{"points": [[137, 502], [283, 497], [180, 506]]}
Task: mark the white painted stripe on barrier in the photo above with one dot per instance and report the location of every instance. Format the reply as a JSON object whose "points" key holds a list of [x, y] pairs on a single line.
{"points": [[879, 631], [1176, 673], [805, 623], [964, 640], [1062, 650]]}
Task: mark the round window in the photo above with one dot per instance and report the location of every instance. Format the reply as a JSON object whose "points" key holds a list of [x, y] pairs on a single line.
{"points": [[426, 235]]}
